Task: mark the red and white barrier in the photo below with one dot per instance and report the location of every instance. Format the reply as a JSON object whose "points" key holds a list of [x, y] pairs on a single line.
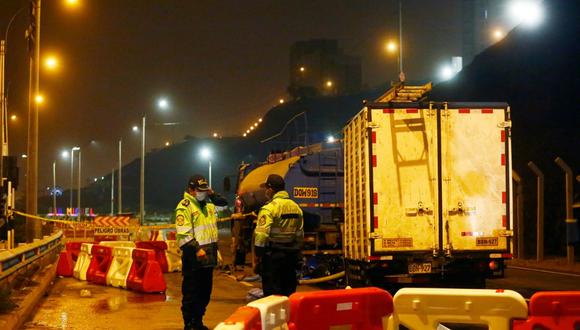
{"points": [[274, 311], [173, 255], [244, 318], [145, 274], [359, 309], [120, 267], [100, 263], [552, 310], [83, 262], [65, 265], [159, 247]]}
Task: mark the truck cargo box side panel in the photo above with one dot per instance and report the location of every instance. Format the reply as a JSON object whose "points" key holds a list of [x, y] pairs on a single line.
{"points": [[474, 173], [356, 188], [404, 180]]}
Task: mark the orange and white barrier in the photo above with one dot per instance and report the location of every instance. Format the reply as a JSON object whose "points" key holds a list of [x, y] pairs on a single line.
{"points": [[274, 311], [114, 244], [173, 254], [244, 318], [426, 308], [100, 264], [159, 247], [83, 262], [120, 266], [552, 310], [364, 308], [145, 274]]}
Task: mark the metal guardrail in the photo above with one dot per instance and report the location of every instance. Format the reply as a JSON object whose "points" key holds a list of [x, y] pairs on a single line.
{"points": [[14, 259]]}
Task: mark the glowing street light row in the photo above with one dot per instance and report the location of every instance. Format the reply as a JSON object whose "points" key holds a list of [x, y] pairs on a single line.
{"points": [[252, 127]]}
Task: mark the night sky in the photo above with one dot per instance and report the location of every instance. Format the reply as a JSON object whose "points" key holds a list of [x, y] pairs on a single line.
{"points": [[222, 64]]}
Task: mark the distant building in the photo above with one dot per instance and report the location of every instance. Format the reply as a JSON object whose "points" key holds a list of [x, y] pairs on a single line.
{"points": [[320, 67]]}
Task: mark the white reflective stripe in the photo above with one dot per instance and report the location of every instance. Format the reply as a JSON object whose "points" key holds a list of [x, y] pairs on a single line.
{"points": [[206, 241], [198, 229], [184, 240], [260, 243]]}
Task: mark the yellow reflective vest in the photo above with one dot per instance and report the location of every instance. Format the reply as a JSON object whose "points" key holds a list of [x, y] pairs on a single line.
{"points": [[280, 223], [192, 222]]}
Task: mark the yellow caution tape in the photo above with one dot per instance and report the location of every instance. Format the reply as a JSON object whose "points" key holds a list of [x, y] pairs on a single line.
{"points": [[92, 225]]}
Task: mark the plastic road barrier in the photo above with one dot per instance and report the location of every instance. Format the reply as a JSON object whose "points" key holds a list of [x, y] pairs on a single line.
{"points": [[120, 267], [145, 274], [100, 263], [360, 309], [274, 311], [128, 244], [426, 308], [74, 248], [159, 247], [83, 262], [173, 254], [244, 318], [65, 266], [552, 310]]}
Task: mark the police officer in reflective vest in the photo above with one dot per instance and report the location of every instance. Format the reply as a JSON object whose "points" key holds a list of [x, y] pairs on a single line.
{"points": [[197, 236], [278, 239]]}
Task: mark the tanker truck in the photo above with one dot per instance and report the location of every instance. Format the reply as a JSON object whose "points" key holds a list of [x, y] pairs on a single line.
{"points": [[314, 180]]}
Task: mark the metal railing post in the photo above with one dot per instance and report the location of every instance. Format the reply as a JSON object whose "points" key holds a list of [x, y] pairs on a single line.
{"points": [[571, 234], [519, 213], [540, 211]]}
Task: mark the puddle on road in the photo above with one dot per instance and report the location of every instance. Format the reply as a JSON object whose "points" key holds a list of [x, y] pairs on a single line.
{"points": [[148, 298], [111, 304]]}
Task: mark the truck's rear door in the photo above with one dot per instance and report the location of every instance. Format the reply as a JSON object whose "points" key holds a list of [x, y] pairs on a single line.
{"points": [[404, 180], [475, 177]]}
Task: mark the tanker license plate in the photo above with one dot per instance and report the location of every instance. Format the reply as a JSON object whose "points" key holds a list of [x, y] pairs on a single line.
{"points": [[420, 268]]}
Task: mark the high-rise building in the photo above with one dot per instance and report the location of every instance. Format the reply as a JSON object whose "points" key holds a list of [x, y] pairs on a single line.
{"points": [[320, 67]]}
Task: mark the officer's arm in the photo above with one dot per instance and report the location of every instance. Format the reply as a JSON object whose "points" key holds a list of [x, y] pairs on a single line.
{"points": [[184, 228], [217, 199], [262, 231]]}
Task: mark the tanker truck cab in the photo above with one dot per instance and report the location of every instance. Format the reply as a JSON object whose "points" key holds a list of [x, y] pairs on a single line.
{"points": [[428, 193], [314, 180]]}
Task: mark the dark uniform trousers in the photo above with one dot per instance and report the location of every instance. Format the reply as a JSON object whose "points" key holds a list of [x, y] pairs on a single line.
{"points": [[195, 288], [279, 271]]}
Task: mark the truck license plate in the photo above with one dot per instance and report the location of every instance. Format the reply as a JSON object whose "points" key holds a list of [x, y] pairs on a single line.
{"points": [[420, 268]]}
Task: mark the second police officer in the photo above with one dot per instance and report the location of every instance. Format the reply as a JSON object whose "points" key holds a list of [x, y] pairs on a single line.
{"points": [[278, 239]]}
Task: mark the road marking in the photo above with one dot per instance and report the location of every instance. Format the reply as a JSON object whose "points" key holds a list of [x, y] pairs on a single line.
{"points": [[543, 271]]}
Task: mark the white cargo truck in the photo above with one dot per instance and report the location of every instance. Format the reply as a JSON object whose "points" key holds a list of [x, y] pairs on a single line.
{"points": [[427, 192]]}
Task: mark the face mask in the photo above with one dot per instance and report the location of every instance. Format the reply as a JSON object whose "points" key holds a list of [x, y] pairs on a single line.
{"points": [[200, 195]]}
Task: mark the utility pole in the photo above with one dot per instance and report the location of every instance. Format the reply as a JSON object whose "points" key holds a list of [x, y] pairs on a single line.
{"points": [[120, 184], [142, 183], [54, 189], [33, 227], [401, 73], [79, 191], [113, 192]]}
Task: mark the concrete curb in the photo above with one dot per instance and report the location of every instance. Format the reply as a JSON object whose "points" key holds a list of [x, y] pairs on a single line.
{"points": [[16, 318]]}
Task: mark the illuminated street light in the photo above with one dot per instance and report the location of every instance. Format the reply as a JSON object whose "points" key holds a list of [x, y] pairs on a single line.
{"points": [[251, 128], [72, 3], [13, 117], [260, 120], [302, 69], [167, 144], [51, 63], [446, 73], [135, 128], [330, 139], [281, 101], [95, 179], [529, 13], [329, 83], [64, 154], [215, 135], [391, 46], [255, 124], [163, 103], [248, 131], [245, 134], [24, 156], [206, 154], [497, 34], [39, 99]]}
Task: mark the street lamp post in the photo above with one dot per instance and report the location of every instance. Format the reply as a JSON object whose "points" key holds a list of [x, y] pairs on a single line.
{"points": [[72, 158], [54, 189], [142, 181], [79, 190], [119, 185]]}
